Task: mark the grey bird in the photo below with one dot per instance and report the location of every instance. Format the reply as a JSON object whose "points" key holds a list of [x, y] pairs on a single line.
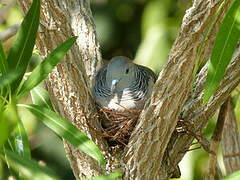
{"points": [[123, 85]]}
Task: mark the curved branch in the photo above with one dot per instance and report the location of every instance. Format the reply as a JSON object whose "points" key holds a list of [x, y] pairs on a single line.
{"points": [[198, 114], [69, 83], [157, 123]]}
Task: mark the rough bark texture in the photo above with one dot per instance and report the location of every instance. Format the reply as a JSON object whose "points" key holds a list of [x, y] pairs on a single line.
{"points": [[231, 142], [197, 114], [155, 148], [215, 142], [69, 83]]}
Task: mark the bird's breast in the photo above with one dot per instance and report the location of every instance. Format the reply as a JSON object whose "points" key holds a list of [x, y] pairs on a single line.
{"points": [[126, 99]]}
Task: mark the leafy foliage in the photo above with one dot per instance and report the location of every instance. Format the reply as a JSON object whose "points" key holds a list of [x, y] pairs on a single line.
{"points": [[46, 66], [29, 169], [223, 49], [21, 50], [233, 176], [14, 143], [67, 131]]}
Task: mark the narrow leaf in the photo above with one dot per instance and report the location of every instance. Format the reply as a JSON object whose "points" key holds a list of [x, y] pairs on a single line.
{"points": [[40, 97], [4, 128], [28, 168], [66, 130], [21, 50], [8, 78], [46, 66], [8, 121], [234, 176], [223, 49], [3, 62], [21, 141]]}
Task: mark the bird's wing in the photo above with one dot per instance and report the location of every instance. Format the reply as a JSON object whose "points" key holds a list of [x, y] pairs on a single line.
{"points": [[148, 71], [101, 75], [100, 85]]}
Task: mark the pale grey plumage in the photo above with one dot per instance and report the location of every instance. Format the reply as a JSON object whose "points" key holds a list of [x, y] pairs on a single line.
{"points": [[123, 85]]}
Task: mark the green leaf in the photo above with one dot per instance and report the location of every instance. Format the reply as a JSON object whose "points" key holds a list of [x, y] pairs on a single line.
{"points": [[233, 176], [21, 50], [40, 97], [8, 78], [22, 146], [223, 49], [66, 130], [28, 168], [4, 128], [3, 62], [46, 66], [8, 121], [112, 176]]}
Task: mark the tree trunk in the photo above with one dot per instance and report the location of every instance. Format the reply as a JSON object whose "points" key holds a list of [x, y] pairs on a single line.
{"points": [[154, 149], [231, 141]]}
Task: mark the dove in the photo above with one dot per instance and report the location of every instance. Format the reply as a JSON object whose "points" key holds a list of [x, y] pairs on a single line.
{"points": [[123, 85]]}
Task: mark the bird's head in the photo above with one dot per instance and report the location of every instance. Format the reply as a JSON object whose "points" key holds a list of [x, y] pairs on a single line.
{"points": [[120, 73]]}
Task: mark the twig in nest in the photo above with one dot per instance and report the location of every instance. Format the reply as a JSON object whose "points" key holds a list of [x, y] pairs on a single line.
{"points": [[117, 126]]}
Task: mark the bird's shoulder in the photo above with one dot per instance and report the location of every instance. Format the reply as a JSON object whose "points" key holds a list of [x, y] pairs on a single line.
{"points": [[100, 89], [147, 71], [101, 74]]}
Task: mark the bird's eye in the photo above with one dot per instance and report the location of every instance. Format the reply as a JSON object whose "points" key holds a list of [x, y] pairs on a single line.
{"points": [[127, 70]]}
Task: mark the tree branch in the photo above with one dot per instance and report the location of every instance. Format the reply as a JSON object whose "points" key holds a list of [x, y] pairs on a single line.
{"points": [[215, 141], [70, 82], [231, 141], [156, 125], [9, 32], [198, 114], [154, 149]]}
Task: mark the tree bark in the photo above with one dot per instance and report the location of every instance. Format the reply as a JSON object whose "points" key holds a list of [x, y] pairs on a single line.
{"points": [[70, 82], [231, 141], [154, 149]]}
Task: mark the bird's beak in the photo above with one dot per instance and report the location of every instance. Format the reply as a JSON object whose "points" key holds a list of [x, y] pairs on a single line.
{"points": [[114, 84]]}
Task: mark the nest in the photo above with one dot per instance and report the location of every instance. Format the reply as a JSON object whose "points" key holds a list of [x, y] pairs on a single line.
{"points": [[118, 126]]}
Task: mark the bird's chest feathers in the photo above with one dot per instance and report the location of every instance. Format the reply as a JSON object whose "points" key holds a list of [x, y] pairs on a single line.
{"points": [[121, 94], [122, 98]]}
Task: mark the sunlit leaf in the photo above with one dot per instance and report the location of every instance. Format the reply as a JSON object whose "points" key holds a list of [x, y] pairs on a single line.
{"points": [[66, 130], [8, 121], [4, 129], [40, 97], [21, 50], [233, 176], [46, 66], [22, 146], [224, 46], [28, 168], [112, 176]]}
